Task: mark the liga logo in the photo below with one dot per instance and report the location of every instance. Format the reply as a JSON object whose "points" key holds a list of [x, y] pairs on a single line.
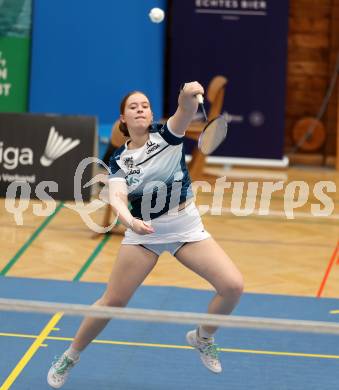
{"points": [[56, 146]]}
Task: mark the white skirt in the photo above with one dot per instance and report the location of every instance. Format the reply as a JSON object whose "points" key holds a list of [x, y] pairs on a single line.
{"points": [[180, 226]]}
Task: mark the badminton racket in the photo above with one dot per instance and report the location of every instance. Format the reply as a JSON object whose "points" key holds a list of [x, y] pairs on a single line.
{"points": [[214, 132]]}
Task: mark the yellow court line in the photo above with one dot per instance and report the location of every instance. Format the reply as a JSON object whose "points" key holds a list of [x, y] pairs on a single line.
{"points": [[25, 336], [219, 349], [171, 346], [31, 351], [272, 353]]}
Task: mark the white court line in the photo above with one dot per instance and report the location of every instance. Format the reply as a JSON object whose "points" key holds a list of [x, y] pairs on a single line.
{"points": [[248, 175], [275, 213], [242, 161]]}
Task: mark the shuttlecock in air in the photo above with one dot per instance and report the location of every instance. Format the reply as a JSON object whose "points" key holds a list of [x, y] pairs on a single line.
{"points": [[56, 146], [156, 15]]}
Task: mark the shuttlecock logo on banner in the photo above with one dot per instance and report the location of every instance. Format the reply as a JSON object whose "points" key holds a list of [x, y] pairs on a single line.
{"points": [[56, 147]]}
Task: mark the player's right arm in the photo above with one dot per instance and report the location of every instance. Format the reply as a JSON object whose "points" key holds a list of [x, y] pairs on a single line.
{"points": [[187, 107], [119, 202]]}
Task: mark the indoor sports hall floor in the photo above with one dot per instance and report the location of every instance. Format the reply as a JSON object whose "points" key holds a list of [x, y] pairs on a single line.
{"points": [[290, 267]]}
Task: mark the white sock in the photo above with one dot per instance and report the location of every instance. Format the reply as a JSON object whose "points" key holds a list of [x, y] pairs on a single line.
{"points": [[72, 353], [203, 334]]}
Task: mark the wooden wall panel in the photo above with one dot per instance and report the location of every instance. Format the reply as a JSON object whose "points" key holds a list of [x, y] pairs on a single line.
{"points": [[332, 115], [312, 44]]}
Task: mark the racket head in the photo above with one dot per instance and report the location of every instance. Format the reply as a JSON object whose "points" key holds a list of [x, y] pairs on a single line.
{"points": [[213, 135]]}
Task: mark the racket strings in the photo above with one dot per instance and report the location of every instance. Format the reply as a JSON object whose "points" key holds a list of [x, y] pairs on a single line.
{"points": [[213, 135]]}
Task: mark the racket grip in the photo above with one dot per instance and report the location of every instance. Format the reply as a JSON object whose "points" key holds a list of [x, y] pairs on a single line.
{"points": [[200, 98]]}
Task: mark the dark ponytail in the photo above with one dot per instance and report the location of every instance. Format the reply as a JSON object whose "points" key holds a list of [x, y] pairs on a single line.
{"points": [[123, 128]]}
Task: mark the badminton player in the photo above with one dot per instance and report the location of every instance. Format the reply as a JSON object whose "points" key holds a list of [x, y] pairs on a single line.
{"points": [[150, 172]]}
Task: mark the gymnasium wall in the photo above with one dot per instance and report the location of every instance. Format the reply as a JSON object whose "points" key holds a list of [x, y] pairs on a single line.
{"points": [[86, 55], [95, 70], [313, 43]]}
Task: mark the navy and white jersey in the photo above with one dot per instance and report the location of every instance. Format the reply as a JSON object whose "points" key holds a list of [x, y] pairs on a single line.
{"points": [[156, 174]]}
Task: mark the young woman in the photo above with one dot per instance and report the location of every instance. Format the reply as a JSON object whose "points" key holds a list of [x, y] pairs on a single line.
{"points": [[150, 172]]}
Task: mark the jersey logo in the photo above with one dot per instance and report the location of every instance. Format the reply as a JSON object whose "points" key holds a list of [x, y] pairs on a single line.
{"points": [[128, 161], [132, 181], [134, 176], [151, 146], [134, 171]]}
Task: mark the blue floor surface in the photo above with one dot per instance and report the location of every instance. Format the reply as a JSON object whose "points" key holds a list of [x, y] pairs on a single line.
{"points": [[254, 358]]}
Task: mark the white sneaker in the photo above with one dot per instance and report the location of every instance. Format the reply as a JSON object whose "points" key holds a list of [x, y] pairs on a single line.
{"points": [[207, 349], [58, 373]]}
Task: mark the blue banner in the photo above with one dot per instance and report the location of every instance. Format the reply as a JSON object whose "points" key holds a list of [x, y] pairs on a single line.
{"points": [[88, 54], [245, 41]]}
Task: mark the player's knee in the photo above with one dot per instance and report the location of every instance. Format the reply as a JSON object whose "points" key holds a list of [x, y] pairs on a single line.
{"points": [[231, 287]]}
